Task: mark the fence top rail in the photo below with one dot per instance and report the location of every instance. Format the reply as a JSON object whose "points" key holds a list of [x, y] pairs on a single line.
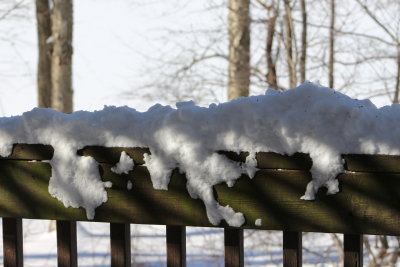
{"points": [[368, 201]]}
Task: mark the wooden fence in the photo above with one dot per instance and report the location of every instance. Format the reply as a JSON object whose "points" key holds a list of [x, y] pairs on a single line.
{"points": [[368, 203]]}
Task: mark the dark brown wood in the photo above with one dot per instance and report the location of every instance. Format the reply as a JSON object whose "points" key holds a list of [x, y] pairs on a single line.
{"points": [[176, 246], [240, 157], [353, 250], [269, 160], [292, 249], [234, 251], [30, 152], [372, 163], [120, 236], [66, 244], [272, 195], [13, 242], [111, 155], [359, 208]]}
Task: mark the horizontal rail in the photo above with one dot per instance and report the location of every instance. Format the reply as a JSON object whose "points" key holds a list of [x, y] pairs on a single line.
{"points": [[368, 202]]}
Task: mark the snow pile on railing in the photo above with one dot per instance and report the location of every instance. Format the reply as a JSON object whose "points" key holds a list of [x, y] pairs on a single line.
{"points": [[309, 119]]}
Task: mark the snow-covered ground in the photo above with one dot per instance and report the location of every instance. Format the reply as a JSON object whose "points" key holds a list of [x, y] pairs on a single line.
{"points": [[204, 246]]}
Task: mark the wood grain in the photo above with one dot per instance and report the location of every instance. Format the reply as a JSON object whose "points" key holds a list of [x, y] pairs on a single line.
{"points": [[176, 246], [30, 152], [353, 250], [368, 202], [292, 249], [120, 237], [66, 244], [234, 251], [12, 242], [372, 163], [111, 155]]}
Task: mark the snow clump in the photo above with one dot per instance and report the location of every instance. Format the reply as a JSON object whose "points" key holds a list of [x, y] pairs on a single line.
{"points": [[125, 164], [309, 119]]}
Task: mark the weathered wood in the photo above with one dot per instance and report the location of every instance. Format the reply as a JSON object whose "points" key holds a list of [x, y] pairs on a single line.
{"points": [[30, 152], [353, 250], [272, 195], [66, 244], [269, 160], [292, 249], [360, 207], [120, 236], [372, 163], [111, 155], [12, 242], [234, 251], [239, 157], [176, 246]]}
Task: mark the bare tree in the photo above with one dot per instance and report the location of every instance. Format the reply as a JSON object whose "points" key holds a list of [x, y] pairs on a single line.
{"points": [[303, 56], [394, 36], [61, 61], [289, 40], [54, 74], [239, 48], [332, 44], [44, 45]]}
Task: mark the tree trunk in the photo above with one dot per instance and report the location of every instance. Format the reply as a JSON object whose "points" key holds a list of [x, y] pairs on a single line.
{"points": [[397, 88], [303, 56], [289, 38], [54, 75], [61, 67], [44, 60], [332, 45], [239, 48], [271, 63]]}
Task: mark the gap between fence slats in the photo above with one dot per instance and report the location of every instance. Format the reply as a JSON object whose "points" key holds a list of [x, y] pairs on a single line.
{"points": [[353, 250], [176, 246], [234, 252], [12, 242], [120, 236], [66, 244], [292, 249]]}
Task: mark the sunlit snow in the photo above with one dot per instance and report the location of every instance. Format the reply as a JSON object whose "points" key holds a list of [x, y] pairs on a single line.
{"points": [[309, 119]]}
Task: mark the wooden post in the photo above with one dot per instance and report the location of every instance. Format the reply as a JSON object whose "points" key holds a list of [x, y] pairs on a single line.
{"points": [[234, 255], [292, 249], [66, 244], [120, 235], [353, 250], [12, 242], [176, 246]]}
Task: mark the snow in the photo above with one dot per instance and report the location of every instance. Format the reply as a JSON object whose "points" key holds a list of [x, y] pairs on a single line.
{"points": [[309, 119], [125, 164], [129, 185], [258, 222]]}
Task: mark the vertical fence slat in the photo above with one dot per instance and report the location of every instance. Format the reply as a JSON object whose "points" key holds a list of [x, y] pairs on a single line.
{"points": [[12, 242], [176, 246], [120, 235], [66, 244], [353, 250], [234, 255], [292, 249]]}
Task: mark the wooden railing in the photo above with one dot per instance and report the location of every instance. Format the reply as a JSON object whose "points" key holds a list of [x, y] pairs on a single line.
{"points": [[368, 203]]}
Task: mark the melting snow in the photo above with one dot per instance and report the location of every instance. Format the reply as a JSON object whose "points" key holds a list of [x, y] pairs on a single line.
{"points": [[309, 119], [129, 185], [125, 164]]}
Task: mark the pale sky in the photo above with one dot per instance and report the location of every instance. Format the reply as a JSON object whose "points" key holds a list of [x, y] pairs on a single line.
{"points": [[109, 41]]}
